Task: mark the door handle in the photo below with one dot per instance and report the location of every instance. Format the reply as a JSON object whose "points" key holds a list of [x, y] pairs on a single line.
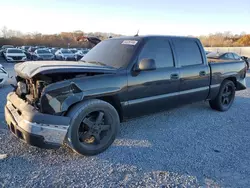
{"points": [[174, 76], [202, 73]]}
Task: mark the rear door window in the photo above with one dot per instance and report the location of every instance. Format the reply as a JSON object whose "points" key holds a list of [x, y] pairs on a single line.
{"points": [[160, 50], [188, 52]]}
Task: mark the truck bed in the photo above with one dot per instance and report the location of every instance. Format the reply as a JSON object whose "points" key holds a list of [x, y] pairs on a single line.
{"points": [[220, 70]]}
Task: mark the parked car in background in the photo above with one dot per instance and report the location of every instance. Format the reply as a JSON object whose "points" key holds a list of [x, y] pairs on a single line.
{"points": [[3, 76], [80, 54], [65, 54], [14, 55], [226, 56], [53, 50], [42, 54], [40, 47], [30, 52], [73, 50], [4, 48], [25, 48]]}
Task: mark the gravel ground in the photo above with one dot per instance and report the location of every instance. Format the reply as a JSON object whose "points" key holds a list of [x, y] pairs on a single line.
{"points": [[190, 146]]}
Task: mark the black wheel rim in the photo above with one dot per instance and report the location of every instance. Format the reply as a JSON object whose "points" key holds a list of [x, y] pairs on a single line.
{"points": [[227, 95], [95, 130]]}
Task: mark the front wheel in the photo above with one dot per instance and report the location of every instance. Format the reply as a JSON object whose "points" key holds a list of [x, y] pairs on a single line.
{"points": [[94, 126], [225, 97]]}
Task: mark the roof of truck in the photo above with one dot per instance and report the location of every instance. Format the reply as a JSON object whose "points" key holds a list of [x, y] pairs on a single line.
{"points": [[150, 36]]}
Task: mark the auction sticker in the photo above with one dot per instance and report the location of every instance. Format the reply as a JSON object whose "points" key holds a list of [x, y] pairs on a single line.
{"points": [[130, 42]]}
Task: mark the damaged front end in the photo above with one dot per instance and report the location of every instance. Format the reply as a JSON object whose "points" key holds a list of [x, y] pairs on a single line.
{"points": [[50, 94], [59, 99], [35, 110], [50, 87]]}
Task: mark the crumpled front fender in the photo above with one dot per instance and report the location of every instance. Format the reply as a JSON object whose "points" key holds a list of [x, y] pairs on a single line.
{"points": [[60, 99]]}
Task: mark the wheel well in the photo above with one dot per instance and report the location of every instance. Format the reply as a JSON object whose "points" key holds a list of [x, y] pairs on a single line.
{"points": [[111, 100], [115, 103], [233, 79]]}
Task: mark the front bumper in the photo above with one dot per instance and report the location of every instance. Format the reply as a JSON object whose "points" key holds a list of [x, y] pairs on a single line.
{"points": [[33, 127], [13, 59], [45, 58], [70, 58]]}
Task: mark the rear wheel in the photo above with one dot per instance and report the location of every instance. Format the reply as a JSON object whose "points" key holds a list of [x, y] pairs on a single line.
{"points": [[94, 127], [225, 97]]}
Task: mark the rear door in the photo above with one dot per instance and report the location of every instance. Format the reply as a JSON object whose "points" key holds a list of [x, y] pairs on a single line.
{"points": [[194, 71], [151, 91]]}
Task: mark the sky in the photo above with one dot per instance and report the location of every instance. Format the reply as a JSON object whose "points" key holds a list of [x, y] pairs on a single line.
{"points": [[164, 17]]}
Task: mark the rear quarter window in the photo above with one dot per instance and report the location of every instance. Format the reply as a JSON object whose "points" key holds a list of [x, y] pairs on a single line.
{"points": [[188, 52]]}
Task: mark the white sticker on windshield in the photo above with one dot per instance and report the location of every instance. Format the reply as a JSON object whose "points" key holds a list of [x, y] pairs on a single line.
{"points": [[130, 42]]}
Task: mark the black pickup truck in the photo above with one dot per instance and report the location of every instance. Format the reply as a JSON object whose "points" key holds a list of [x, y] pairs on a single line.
{"points": [[82, 103]]}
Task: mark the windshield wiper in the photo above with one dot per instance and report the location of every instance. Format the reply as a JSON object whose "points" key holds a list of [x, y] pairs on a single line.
{"points": [[98, 63]]}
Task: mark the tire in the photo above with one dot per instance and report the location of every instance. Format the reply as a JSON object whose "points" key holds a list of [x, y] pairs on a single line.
{"points": [[83, 138], [225, 97]]}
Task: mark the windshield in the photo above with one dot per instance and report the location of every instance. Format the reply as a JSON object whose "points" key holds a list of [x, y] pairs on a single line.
{"points": [[43, 51], [14, 51], [7, 46], [66, 52], [115, 52], [73, 51]]}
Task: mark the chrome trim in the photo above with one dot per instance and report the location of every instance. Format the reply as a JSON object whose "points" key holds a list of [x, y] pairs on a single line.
{"points": [[146, 99], [194, 90], [214, 86]]}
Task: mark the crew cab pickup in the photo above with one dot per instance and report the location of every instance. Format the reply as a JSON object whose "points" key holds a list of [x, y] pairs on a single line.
{"points": [[82, 103]]}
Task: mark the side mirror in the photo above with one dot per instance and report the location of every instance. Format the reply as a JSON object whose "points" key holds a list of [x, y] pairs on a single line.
{"points": [[145, 65]]}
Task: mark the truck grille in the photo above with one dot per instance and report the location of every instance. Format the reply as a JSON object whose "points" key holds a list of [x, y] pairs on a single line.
{"points": [[47, 57], [17, 58]]}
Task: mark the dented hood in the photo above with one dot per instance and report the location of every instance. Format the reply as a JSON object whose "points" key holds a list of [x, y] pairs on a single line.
{"points": [[30, 69]]}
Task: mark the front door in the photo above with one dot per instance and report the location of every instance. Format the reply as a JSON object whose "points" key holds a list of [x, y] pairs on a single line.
{"points": [[152, 91]]}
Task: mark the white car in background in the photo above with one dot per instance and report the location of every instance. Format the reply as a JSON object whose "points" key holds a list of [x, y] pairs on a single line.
{"points": [[80, 54], [14, 54], [3, 76], [65, 55]]}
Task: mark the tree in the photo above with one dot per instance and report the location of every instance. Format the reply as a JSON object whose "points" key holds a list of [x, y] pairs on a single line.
{"points": [[4, 31], [244, 40]]}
